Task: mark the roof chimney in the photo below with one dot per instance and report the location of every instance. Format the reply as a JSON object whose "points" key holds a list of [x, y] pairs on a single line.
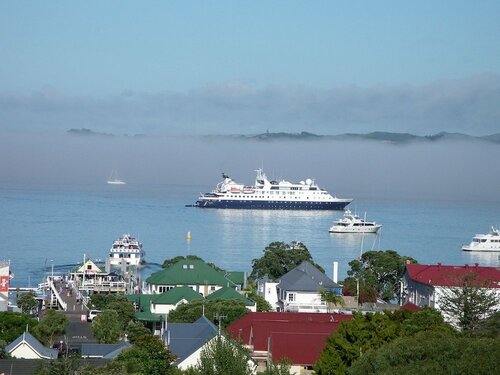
{"points": [[335, 271]]}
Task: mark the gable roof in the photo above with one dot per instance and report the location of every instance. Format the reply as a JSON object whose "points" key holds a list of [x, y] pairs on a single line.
{"points": [[28, 339], [306, 278], [185, 338], [107, 351], [142, 300], [237, 277], [441, 275], [305, 350], [298, 336], [175, 295], [229, 293], [93, 267], [189, 272]]}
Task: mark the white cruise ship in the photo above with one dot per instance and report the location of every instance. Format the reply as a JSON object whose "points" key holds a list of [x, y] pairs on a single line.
{"points": [[265, 194], [485, 242], [126, 248]]}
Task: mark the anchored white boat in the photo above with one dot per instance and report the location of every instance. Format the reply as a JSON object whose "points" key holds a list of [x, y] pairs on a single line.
{"points": [[273, 195], [126, 248], [114, 180], [352, 223], [484, 242]]}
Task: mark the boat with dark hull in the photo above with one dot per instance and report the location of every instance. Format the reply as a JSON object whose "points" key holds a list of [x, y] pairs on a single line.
{"points": [[270, 195]]}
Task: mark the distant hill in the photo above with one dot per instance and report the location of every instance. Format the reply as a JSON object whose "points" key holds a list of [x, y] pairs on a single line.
{"points": [[387, 137], [89, 132], [378, 136]]}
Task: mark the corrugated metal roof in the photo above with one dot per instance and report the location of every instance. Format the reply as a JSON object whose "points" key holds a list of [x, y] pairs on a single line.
{"points": [[306, 278], [186, 338], [35, 345], [441, 275], [189, 272], [312, 329], [175, 295], [230, 293]]}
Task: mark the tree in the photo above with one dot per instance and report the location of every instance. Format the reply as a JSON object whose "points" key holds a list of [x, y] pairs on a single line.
{"points": [[3, 353], [63, 366], [281, 367], [467, 305], [489, 327], [135, 330], [192, 311], [262, 304], [431, 353], [279, 258], [331, 299], [117, 302], [27, 302], [365, 333], [223, 356], [378, 271], [148, 356], [107, 327], [52, 326], [12, 325], [125, 311]]}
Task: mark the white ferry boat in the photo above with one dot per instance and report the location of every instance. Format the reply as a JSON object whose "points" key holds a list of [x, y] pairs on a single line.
{"points": [[126, 248], [274, 195], [485, 242], [352, 223]]}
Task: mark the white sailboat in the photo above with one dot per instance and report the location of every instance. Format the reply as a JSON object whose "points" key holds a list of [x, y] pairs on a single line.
{"points": [[114, 180]]}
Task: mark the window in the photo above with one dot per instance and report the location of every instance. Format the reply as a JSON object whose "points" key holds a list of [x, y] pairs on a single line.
{"points": [[291, 297]]}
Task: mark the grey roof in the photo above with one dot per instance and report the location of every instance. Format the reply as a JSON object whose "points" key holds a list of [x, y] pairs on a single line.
{"points": [[306, 278], [106, 351], [30, 366], [186, 338], [36, 345]]}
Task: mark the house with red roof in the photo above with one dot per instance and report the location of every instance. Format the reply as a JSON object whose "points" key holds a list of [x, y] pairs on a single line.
{"points": [[424, 285], [298, 337]]}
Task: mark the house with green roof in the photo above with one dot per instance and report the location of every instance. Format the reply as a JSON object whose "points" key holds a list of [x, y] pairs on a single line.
{"points": [[196, 274], [163, 303], [229, 293]]}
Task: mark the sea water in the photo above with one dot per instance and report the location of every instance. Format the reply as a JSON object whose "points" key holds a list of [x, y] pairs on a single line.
{"points": [[54, 227]]}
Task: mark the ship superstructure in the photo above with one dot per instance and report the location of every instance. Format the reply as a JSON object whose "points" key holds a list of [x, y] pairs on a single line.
{"points": [[265, 194]]}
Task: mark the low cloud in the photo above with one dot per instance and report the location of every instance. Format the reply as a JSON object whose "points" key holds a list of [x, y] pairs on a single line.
{"points": [[468, 105]]}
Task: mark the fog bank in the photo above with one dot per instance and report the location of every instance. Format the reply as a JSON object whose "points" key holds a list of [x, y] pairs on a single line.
{"points": [[451, 171]]}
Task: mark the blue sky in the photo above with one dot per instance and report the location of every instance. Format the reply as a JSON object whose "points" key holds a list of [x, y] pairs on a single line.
{"points": [[207, 67]]}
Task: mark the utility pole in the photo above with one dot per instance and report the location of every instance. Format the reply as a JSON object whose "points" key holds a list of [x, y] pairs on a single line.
{"points": [[219, 318]]}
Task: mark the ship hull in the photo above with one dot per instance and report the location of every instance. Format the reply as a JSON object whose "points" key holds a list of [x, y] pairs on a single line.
{"points": [[271, 205]]}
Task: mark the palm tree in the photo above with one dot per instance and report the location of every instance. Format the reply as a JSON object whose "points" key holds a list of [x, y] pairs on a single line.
{"points": [[332, 300]]}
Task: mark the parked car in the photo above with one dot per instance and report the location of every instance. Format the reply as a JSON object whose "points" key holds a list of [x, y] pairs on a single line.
{"points": [[92, 314]]}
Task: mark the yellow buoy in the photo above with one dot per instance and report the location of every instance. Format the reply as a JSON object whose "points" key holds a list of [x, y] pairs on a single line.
{"points": [[188, 236]]}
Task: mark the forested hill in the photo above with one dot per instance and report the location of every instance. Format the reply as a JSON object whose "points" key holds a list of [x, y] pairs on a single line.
{"points": [[378, 136], [387, 137]]}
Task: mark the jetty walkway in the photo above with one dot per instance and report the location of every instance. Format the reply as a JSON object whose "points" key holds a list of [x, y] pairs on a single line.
{"points": [[79, 331]]}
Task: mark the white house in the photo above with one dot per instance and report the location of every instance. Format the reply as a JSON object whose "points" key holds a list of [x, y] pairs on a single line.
{"points": [[27, 346], [266, 288], [299, 289], [424, 285]]}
